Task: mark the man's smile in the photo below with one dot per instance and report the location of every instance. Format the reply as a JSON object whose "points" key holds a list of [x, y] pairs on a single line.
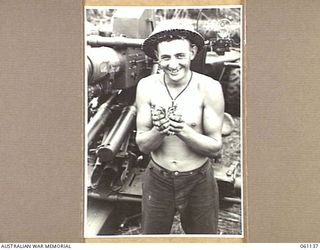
{"points": [[174, 71]]}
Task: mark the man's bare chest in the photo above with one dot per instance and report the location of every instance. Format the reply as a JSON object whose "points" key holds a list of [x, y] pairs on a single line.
{"points": [[189, 104]]}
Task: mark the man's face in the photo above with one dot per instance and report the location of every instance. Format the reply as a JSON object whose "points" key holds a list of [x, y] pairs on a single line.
{"points": [[175, 57]]}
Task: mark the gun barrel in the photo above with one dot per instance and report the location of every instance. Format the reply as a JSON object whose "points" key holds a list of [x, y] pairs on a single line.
{"points": [[98, 121], [113, 197], [119, 42], [112, 143]]}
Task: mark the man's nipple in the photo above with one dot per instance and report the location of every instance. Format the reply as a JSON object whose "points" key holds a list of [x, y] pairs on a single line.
{"points": [[193, 124]]}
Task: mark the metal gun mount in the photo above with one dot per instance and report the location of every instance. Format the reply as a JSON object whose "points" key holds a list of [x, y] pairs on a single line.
{"points": [[114, 66]]}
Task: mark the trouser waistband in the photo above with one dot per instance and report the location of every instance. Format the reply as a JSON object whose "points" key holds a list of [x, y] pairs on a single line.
{"points": [[202, 169]]}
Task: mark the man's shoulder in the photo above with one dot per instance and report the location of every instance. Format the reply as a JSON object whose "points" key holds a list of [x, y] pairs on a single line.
{"points": [[211, 91], [147, 86], [206, 83], [150, 80]]}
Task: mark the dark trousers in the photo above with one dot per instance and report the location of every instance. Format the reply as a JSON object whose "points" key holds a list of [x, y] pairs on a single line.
{"points": [[194, 194]]}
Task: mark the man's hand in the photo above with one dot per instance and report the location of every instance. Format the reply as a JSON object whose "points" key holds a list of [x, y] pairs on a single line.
{"points": [[167, 122], [160, 120], [176, 124]]}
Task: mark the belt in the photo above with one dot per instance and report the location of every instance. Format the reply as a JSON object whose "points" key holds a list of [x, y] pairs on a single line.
{"points": [[167, 172]]}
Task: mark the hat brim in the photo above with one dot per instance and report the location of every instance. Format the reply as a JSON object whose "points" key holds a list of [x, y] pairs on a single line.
{"points": [[150, 44]]}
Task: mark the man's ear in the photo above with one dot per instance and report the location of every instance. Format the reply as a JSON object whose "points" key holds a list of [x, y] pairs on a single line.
{"points": [[156, 54], [193, 50]]}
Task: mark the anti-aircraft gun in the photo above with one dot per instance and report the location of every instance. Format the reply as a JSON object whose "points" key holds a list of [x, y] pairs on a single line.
{"points": [[115, 62], [114, 65]]}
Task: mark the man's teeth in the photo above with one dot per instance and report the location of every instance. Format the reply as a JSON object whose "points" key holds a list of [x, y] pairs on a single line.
{"points": [[174, 71]]}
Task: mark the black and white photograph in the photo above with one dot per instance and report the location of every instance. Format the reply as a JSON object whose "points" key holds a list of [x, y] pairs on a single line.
{"points": [[163, 121]]}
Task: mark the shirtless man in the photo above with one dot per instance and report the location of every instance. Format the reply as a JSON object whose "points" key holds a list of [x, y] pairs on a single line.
{"points": [[179, 123]]}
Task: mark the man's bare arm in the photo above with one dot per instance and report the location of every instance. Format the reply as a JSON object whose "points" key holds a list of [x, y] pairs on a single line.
{"points": [[210, 142], [148, 138]]}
